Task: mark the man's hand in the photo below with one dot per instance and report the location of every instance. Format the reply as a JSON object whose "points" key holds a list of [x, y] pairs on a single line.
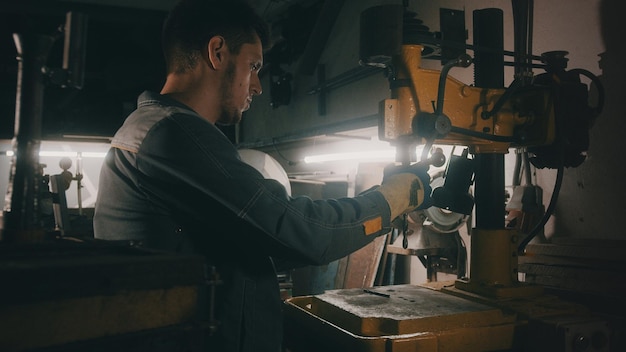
{"points": [[406, 188]]}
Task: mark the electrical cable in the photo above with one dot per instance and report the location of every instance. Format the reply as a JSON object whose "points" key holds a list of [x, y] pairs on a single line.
{"points": [[561, 166], [546, 216], [461, 256], [527, 171], [597, 82], [517, 170]]}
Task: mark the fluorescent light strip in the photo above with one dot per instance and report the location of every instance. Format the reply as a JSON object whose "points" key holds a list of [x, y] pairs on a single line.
{"points": [[372, 155], [66, 154]]}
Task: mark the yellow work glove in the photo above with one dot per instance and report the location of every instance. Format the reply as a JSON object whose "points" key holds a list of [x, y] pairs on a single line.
{"points": [[406, 191]]}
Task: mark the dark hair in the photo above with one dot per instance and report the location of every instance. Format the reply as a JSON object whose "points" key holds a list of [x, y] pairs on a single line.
{"points": [[192, 23]]}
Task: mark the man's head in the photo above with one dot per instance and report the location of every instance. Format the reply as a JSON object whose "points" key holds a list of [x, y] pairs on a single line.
{"points": [[214, 51], [192, 23]]}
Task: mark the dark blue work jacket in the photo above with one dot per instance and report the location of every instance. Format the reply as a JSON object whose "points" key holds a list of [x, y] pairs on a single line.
{"points": [[173, 181]]}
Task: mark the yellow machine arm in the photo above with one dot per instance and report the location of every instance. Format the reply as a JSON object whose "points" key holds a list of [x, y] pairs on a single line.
{"points": [[429, 105]]}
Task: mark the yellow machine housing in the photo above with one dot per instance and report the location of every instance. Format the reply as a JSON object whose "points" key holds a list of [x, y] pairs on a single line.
{"points": [[526, 119]]}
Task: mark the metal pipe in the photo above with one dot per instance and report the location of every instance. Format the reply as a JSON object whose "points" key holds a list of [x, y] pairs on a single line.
{"points": [[523, 29], [21, 221], [489, 191], [489, 168]]}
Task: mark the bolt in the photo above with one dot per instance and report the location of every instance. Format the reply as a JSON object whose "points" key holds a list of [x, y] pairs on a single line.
{"points": [[581, 343]]}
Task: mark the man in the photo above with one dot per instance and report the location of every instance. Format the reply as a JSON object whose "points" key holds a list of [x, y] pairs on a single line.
{"points": [[173, 181]]}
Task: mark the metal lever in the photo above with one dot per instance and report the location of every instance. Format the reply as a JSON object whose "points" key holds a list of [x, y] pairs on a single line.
{"points": [[463, 60]]}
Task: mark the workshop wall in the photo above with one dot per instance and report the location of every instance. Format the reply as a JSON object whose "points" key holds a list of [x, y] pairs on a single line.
{"points": [[592, 198], [340, 54]]}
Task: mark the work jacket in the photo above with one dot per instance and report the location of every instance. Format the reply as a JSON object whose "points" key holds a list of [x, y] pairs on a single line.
{"points": [[173, 181]]}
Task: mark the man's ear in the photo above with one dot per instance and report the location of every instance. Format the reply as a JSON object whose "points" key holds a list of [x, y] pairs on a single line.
{"points": [[217, 52]]}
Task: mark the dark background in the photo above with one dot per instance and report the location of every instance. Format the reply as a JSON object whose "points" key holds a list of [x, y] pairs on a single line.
{"points": [[123, 58]]}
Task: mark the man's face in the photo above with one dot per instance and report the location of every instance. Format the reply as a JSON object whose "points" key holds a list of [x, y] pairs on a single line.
{"points": [[241, 82]]}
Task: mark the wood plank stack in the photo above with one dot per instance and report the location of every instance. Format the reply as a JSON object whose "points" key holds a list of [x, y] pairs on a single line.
{"points": [[591, 268]]}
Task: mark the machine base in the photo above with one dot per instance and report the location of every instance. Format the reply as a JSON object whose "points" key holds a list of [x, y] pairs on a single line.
{"points": [[441, 318]]}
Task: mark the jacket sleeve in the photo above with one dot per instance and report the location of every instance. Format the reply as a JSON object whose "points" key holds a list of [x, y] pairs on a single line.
{"points": [[187, 163]]}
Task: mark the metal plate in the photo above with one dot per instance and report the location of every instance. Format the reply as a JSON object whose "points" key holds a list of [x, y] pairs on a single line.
{"points": [[401, 309]]}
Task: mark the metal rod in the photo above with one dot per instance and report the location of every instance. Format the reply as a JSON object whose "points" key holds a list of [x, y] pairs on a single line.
{"points": [[21, 211], [79, 184], [489, 191], [489, 168]]}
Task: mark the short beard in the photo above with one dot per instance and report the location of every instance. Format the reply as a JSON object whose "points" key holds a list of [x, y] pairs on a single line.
{"points": [[229, 115]]}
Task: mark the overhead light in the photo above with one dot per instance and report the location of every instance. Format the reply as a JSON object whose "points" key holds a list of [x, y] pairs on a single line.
{"points": [[370, 155], [66, 154]]}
